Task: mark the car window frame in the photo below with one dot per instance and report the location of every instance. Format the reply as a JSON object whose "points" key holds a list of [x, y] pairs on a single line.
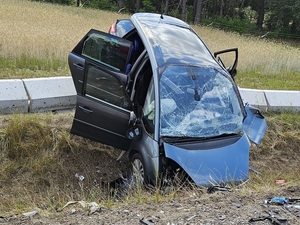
{"points": [[97, 119]]}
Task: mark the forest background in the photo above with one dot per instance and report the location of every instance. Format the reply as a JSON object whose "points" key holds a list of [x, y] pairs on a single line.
{"points": [[278, 19]]}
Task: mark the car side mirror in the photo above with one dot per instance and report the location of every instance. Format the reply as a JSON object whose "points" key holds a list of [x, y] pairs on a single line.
{"points": [[231, 69], [254, 125]]}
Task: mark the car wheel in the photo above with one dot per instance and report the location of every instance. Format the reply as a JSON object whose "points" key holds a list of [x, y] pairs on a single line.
{"points": [[138, 169]]}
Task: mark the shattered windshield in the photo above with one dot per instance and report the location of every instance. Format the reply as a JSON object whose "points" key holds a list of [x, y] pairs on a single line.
{"points": [[198, 102]]}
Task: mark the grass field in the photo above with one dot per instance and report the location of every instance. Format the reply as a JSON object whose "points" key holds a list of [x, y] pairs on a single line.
{"points": [[36, 39], [39, 157]]}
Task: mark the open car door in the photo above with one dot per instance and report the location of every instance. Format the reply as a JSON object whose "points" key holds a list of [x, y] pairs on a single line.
{"points": [[231, 69], [97, 65]]}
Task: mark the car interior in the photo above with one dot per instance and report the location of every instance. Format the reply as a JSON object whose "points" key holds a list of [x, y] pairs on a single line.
{"points": [[139, 75]]}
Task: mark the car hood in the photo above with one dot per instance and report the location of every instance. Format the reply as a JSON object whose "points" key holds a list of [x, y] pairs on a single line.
{"points": [[213, 166]]}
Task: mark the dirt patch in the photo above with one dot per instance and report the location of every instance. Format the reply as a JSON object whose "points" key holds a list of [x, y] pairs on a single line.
{"points": [[197, 208]]}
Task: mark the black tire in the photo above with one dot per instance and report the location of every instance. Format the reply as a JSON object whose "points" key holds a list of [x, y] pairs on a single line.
{"points": [[138, 169]]}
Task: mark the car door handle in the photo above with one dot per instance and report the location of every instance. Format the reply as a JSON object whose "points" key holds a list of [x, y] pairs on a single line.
{"points": [[78, 66], [85, 109]]}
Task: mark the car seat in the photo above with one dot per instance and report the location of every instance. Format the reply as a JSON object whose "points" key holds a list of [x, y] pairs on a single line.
{"points": [[136, 50]]}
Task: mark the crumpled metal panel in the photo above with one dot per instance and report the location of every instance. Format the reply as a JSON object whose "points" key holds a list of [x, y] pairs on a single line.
{"points": [[254, 125], [213, 166]]}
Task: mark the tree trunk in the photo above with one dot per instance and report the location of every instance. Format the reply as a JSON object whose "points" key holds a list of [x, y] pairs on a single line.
{"points": [[295, 26], [214, 9], [241, 7], [166, 7], [183, 10], [78, 3], [231, 10], [137, 5], [198, 11], [261, 14], [222, 8], [158, 6]]}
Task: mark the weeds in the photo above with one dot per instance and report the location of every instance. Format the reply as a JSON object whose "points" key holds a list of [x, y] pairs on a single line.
{"points": [[39, 160], [38, 156], [257, 79], [36, 43]]}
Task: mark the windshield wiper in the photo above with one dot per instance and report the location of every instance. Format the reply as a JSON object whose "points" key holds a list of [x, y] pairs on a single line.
{"points": [[179, 139], [227, 135]]}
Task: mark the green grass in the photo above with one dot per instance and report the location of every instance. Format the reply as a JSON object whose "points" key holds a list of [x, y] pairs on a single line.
{"points": [[28, 66], [256, 79]]}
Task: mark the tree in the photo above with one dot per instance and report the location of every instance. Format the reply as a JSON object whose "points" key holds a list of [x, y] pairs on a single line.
{"points": [[166, 9], [137, 5], [261, 13], [222, 5], [231, 8], [198, 11], [183, 10], [284, 16]]}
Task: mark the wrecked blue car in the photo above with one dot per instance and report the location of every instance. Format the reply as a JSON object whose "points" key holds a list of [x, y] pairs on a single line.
{"points": [[151, 87]]}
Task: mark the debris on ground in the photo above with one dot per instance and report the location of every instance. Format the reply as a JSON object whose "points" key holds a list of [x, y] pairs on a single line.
{"points": [[214, 188], [31, 214], [271, 216], [276, 207], [91, 206]]}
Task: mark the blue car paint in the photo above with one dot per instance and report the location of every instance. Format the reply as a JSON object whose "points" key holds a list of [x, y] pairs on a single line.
{"points": [[213, 166], [169, 41], [225, 164], [254, 125]]}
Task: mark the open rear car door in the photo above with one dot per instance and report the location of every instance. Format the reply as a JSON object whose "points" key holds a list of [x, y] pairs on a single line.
{"points": [[97, 65]]}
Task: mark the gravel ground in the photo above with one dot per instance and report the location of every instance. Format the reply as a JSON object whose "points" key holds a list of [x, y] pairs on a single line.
{"points": [[220, 207]]}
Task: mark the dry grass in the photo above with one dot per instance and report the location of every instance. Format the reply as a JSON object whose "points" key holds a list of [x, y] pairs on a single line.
{"points": [[277, 158], [254, 53], [38, 156], [262, 64], [46, 30], [37, 38], [39, 159]]}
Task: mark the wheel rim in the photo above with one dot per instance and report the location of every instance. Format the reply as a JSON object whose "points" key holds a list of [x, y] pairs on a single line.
{"points": [[138, 171]]}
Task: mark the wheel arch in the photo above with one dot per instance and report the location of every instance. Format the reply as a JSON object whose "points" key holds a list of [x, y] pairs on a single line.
{"points": [[151, 172]]}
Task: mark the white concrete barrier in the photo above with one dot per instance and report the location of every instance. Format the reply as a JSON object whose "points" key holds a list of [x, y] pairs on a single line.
{"points": [[283, 100], [58, 93], [49, 94], [255, 98], [13, 96]]}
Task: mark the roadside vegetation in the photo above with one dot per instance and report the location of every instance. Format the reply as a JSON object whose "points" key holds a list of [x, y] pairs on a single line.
{"points": [[36, 43], [40, 160], [40, 163]]}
